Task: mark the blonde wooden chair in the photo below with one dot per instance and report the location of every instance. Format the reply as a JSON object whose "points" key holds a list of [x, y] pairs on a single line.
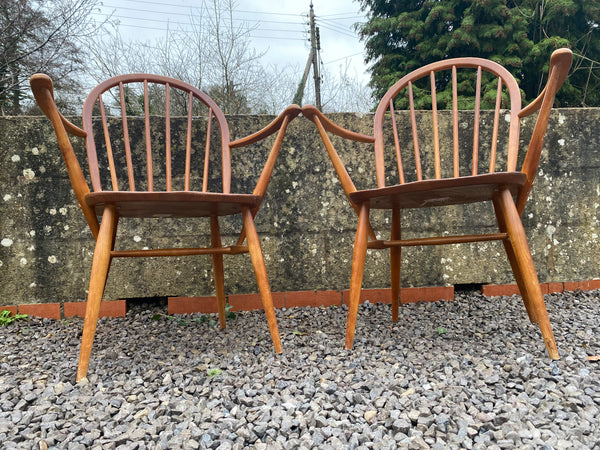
{"points": [[124, 182], [507, 188]]}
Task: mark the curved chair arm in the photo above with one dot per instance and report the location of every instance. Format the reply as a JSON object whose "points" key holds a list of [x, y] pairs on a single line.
{"points": [[312, 113], [279, 126], [290, 113], [560, 63], [41, 86]]}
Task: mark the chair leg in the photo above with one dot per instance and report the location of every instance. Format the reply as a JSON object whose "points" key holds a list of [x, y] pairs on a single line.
{"points": [[215, 240], [358, 267], [524, 263], [395, 263], [100, 266], [260, 271], [513, 263]]}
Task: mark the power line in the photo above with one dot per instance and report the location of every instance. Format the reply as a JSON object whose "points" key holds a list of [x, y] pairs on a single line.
{"points": [[174, 13], [345, 33], [348, 15], [188, 23], [143, 27], [343, 58], [170, 5]]}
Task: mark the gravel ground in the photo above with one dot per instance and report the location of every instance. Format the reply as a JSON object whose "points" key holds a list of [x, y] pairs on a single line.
{"points": [[471, 373]]}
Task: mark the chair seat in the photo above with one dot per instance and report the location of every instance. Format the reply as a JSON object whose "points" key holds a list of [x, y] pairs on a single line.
{"points": [[171, 204], [449, 191]]}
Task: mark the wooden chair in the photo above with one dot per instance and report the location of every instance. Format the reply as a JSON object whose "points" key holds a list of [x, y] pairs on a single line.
{"points": [[507, 190], [124, 182]]}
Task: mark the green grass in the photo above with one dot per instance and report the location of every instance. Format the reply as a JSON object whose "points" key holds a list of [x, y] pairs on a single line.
{"points": [[6, 318], [214, 372]]}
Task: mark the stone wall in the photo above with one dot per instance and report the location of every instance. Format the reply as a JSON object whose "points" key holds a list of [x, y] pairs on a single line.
{"points": [[306, 225]]}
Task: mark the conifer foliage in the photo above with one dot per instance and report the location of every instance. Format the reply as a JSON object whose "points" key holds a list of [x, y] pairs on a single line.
{"points": [[402, 35]]}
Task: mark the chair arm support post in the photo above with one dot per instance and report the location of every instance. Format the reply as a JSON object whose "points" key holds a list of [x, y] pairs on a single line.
{"points": [[323, 125], [41, 85], [560, 63], [265, 176]]}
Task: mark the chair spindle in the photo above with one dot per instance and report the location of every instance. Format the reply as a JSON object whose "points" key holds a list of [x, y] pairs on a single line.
{"points": [[436, 131], [109, 152], [496, 125], [476, 122], [413, 121], [207, 152], [168, 136], [148, 138], [455, 150], [126, 138], [397, 143], [188, 145]]}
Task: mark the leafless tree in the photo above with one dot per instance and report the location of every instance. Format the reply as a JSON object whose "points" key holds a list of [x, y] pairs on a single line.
{"points": [[41, 36], [211, 53], [214, 53]]}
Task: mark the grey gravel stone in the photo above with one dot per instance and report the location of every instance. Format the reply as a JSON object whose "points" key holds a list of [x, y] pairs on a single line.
{"points": [[485, 383]]}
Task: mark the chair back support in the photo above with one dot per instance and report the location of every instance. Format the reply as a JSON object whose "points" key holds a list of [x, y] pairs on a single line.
{"points": [[113, 146], [474, 83]]}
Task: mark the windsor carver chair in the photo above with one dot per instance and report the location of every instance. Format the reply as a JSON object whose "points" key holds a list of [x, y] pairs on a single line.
{"points": [[429, 184], [125, 183]]}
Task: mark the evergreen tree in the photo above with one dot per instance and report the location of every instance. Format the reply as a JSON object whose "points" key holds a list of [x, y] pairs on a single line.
{"points": [[403, 35]]}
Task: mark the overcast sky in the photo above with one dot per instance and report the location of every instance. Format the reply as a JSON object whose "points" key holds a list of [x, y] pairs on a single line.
{"points": [[280, 31]]}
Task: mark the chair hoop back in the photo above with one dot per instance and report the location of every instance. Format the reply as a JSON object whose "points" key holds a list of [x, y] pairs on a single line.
{"points": [[492, 82], [141, 94]]}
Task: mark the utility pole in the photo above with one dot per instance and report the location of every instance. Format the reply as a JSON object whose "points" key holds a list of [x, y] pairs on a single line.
{"points": [[313, 59], [315, 48]]}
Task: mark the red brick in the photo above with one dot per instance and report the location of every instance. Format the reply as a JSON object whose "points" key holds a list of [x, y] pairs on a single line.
{"points": [[594, 284], [554, 287], [11, 309], [191, 305], [376, 295], [571, 285], [494, 290], [373, 295], [407, 295], [584, 285], [426, 294], [300, 298], [110, 308], [328, 298], [249, 302], [44, 310]]}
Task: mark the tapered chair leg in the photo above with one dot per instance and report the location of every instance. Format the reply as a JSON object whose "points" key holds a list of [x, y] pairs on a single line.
{"points": [[395, 263], [100, 266], [358, 267], [513, 263], [215, 240], [524, 263], [260, 271]]}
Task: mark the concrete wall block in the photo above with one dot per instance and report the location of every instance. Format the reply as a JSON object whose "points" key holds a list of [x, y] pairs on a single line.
{"points": [[306, 225]]}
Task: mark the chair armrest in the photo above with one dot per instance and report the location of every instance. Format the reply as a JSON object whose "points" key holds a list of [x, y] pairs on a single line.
{"points": [[560, 61], [41, 86], [312, 113], [290, 112]]}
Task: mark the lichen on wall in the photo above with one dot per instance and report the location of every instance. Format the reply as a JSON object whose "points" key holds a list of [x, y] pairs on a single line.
{"points": [[305, 224]]}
